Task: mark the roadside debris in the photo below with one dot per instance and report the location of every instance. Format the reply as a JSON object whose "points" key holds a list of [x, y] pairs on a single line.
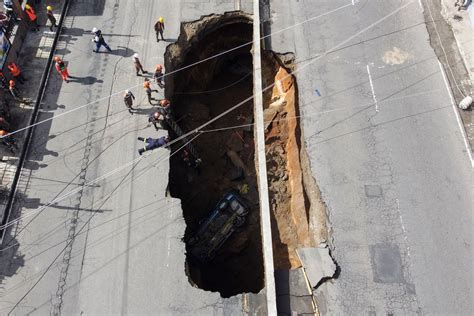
{"points": [[465, 103]]}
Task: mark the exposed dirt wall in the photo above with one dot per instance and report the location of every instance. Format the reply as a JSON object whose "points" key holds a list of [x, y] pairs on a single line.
{"points": [[298, 212]]}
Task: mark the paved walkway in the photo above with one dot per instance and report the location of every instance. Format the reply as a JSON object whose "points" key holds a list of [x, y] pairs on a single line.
{"points": [[32, 60], [461, 23], [463, 30]]}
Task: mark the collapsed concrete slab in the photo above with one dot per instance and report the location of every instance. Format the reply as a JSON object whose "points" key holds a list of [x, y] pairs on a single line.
{"points": [[318, 264]]}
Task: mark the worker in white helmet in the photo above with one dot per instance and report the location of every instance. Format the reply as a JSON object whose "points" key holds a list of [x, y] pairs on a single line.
{"points": [[99, 40], [138, 64], [128, 98]]}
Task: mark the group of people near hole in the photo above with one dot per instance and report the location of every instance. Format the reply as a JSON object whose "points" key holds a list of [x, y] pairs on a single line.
{"points": [[156, 118]]}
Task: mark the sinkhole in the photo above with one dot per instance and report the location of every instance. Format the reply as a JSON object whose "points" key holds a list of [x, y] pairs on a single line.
{"points": [[224, 253], [198, 94]]}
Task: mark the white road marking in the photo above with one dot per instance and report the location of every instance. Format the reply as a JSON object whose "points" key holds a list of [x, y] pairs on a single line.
{"points": [[168, 252], [169, 239], [373, 91], [456, 113], [421, 5], [405, 236]]}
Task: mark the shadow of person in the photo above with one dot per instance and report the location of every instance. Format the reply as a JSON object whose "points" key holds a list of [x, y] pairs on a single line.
{"points": [[34, 165], [52, 107], [88, 80], [170, 40], [120, 35], [74, 31], [142, 111], [11, 257], [122, 51]]}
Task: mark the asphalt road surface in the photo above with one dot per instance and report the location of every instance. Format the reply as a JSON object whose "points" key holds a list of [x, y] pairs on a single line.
{"points": [[387, 153], [127, 256]]}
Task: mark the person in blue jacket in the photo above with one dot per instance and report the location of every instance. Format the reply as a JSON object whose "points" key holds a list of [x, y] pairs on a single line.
{"points": [[99, 40], [152, 143]]}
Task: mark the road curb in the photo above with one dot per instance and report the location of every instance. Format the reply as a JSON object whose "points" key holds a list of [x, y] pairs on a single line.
{"points": [[265, 223]]}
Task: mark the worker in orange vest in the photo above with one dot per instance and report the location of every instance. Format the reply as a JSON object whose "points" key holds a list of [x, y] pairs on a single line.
{"points": [[61, 68], [14, 91], [32, 16], [16, 72], [148, 90], [158, 76]]}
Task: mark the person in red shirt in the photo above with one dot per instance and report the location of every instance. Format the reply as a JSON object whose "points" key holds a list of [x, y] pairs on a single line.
{"points": [[32, 16], [16, 72], [61, 68], [14, 91]]}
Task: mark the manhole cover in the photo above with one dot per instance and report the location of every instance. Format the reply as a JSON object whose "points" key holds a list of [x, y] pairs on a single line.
{"points": [[386, 263], [373, 191]]}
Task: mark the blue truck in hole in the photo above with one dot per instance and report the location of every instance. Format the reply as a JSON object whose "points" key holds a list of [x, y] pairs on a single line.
{"points": [[214, 230]]}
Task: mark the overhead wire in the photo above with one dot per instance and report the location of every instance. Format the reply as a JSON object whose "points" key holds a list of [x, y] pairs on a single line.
{"points": [[371, 103], [215, 90], [199, 132], [383, 100], [85, 225], [199, 128], [177, 70]]}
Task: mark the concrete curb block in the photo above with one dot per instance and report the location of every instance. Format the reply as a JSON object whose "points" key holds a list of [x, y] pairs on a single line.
{"points": [[262, 165]]}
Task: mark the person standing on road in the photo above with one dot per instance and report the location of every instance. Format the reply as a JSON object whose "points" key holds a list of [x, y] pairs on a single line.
{"points": [[51, 18], [159, 28], [61, 68], [152, 143], [32, 16], [16, 72], [157, 118], [14, 91], [99, 40], [128, 98], [148, 90], [138, 64], [158, 76], [164, 108]]}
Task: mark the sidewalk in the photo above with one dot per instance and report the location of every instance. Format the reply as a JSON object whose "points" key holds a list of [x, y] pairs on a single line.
{"points": [[462, 26], [452, 36], [32, 60], [463, 30]]}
